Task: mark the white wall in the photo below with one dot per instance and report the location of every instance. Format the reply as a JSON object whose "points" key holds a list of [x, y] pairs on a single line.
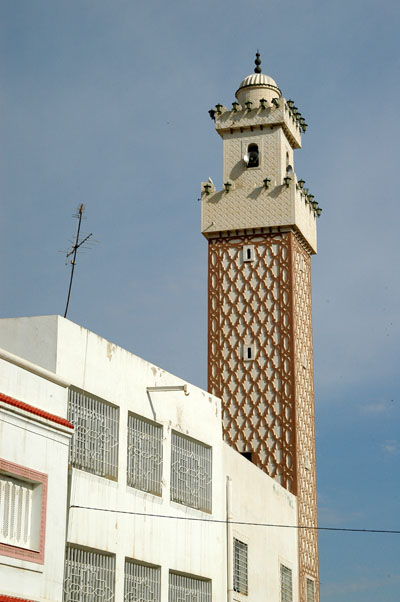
{"points": [[198, 548], [258, 498], [41, 445]]}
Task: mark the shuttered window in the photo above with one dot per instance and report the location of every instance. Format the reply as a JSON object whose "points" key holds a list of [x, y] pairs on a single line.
{"points": [[89, 576], [240, 567], [286, 584], [191, 472], [15, 511], [310, 590], [142, 582], [94, 445], [144, 466], [183, 588]]}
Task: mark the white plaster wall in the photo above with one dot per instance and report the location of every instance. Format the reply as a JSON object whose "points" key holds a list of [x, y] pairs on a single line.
{"points": [[33, 338], [193, 547], [40, 445], [117, 376], [258, 498], [33, 389]]}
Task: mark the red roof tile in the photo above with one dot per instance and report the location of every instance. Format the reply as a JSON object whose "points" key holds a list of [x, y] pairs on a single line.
{"points": [[38, 412], [12, 599]]}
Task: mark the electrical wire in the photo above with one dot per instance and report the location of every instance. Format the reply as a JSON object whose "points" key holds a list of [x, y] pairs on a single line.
{"points": [[235, 522]]}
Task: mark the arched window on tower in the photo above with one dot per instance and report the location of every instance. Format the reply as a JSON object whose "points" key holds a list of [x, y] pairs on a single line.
{"points": [[253, 156]]}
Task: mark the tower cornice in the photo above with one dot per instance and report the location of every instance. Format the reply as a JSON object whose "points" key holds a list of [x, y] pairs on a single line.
{"points": [[265, 115], [242, 118]]}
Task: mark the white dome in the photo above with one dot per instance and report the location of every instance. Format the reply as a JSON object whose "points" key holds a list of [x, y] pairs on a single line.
{"points": [[257, 86], [259, 79]]}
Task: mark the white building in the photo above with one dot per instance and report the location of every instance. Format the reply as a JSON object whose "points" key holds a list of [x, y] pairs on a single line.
{"points": [[156, 499], [151, 482]]}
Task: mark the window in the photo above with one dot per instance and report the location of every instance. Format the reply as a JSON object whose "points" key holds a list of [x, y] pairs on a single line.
{"points": [[191, 473], [89, 576], [188, 589], [310, 585], [286, 584], [23, 498], [144, 454], [16, 512], [248, 253], [142, 582], [248, 352], [94, 445], [240, 567], [253, 156]]}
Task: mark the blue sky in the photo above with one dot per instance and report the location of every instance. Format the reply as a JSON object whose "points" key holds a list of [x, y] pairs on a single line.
{"points": [[106, 103]]}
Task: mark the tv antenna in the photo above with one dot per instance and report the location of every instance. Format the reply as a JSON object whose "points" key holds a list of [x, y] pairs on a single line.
{"points": [[74, 250]]}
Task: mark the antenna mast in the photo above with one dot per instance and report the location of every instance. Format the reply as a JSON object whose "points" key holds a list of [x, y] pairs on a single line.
{"points": [[74, 251]]}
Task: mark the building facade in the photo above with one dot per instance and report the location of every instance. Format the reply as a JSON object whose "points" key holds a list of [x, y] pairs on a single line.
{"points": [[261, 232], [156, 505]]}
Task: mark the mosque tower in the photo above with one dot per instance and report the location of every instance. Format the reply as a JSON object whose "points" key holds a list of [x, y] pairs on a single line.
{"points": [[261, 232]]}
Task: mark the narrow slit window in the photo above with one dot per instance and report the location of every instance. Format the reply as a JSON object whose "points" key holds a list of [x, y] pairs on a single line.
{"points": [[240, 567], [248, 353], [286, 584], [248, 253], [310, 590]]}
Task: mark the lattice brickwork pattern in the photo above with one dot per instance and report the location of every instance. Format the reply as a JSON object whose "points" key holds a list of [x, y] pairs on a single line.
{"points": [[305, 430], [251, 303]]}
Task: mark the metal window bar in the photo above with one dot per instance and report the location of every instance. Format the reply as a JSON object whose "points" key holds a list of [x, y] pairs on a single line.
{"points": [[310, 583], [188, 589], [191, 473], [240, 567], [144, 466], [94, 445], [286, 584], [15, 511], [142, 583], [89, 576]]}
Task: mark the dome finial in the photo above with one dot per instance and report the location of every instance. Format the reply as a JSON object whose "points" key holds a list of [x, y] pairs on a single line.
{"points": [[257, 68]]}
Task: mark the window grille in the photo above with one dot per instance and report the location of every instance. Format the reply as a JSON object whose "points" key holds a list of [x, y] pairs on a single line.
{"points": [[310, 590], [89, 576], [188, 589], [286, 584], [144, 455], [191, 470], [94, 445], [240, 567], [15, 511], [142, 583]]}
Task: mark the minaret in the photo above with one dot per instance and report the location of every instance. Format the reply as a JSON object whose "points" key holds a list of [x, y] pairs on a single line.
{"points": [[261, 232]]}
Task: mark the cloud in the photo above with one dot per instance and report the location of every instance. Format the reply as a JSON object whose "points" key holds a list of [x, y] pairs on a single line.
{"points": [[378, 407], [391, 447], [328, 517], [362, 584]]}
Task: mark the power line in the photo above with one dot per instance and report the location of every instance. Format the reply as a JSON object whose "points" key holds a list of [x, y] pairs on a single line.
{"points": [[235, 522]]}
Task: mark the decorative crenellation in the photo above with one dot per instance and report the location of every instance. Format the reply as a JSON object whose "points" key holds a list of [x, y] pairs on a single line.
{"points": [[263, 113], [250, 204]]}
